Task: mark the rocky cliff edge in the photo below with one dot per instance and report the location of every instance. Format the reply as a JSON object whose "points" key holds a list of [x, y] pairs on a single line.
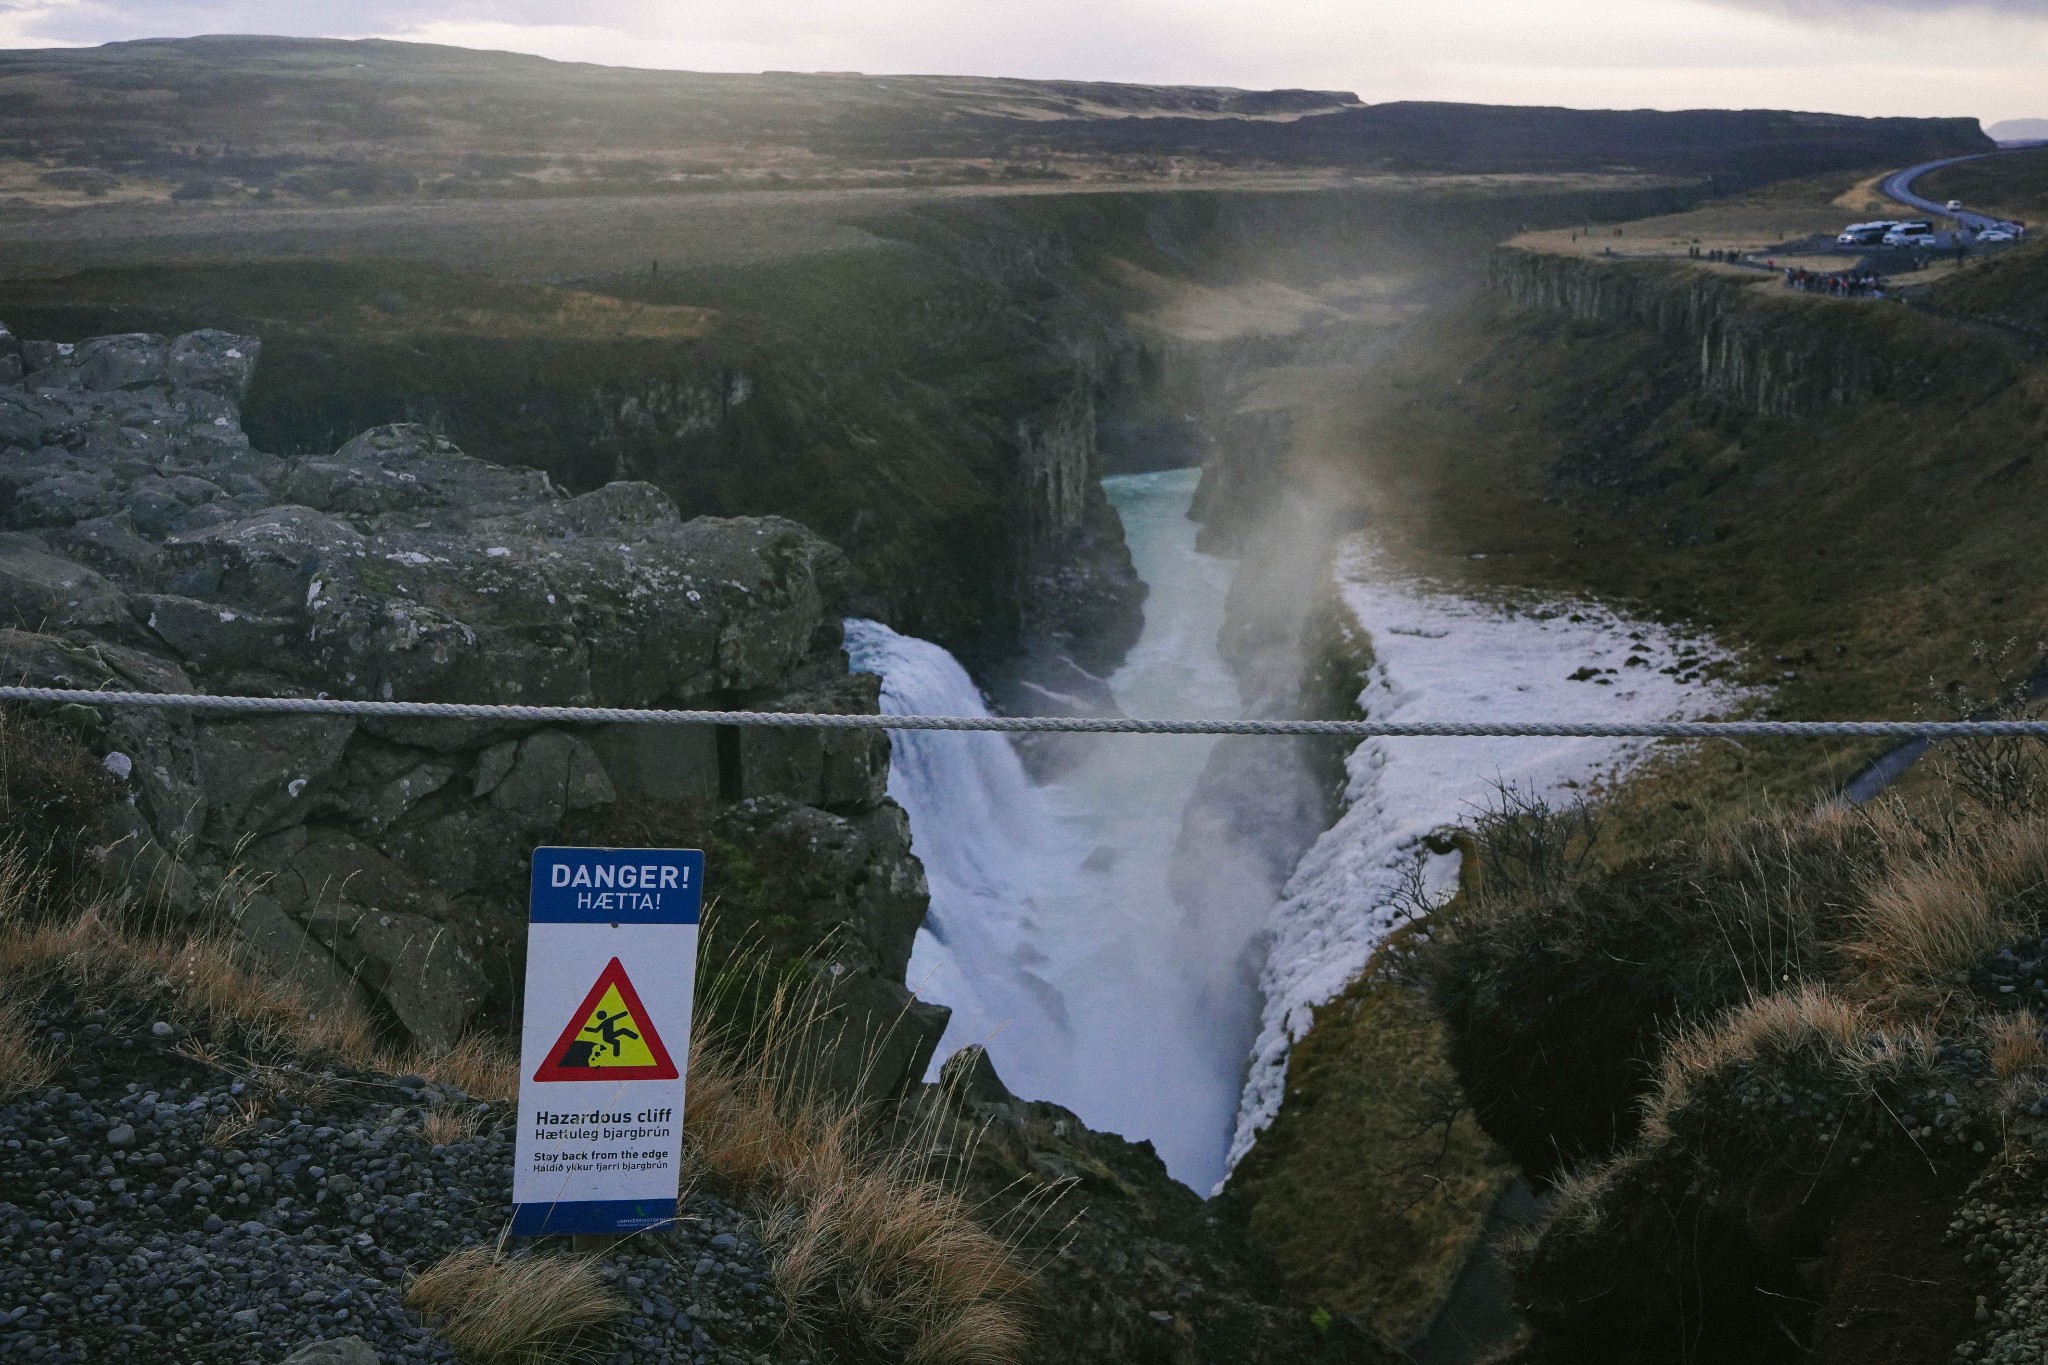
{"points": [[145, 546]]}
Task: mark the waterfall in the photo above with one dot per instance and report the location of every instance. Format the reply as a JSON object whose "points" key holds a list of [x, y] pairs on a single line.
{"points": [[992, 847], [1054, 933]]}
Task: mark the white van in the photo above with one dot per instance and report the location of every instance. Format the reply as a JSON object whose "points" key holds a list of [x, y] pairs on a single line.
{"points": [[1866, 234], [1915, 233], [1955, 206]]}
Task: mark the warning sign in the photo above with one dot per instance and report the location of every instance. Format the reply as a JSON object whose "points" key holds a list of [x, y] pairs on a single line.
{"points": [[611, 958], [611, 1036]]}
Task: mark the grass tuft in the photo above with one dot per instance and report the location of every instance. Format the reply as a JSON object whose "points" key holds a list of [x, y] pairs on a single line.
{"points": [[512, 1309], [1811, 1024], [25, 1064], [2015, 1044], [1926, 919], [862, 1231]]}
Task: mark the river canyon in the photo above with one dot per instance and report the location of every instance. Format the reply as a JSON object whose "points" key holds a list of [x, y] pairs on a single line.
{"points": [[1120, 936]]}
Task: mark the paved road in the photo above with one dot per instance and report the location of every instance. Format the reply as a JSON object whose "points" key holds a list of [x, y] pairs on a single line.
{"points": [[1899, 186]]}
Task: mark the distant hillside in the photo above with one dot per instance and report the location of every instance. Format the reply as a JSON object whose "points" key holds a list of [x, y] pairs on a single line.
{"points": [[317, 120], [1747, 145], [2020, 130]]}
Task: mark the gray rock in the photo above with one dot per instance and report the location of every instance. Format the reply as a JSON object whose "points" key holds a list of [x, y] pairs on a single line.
{"points": [[492, 765], [113, 546], [424, 973], [42, 359], [278, 940], [20, 423], [217, 638], [877, 893], [121, 1135], [553, 773], [263, 773], [662, 764], [389, 803], [10, 359], [35, 660], [278, 561], [399, 567], [131, 361], [150, 875], [217, 362], [42, 591], [379, 923], [873, 1039], [154, 507], [66, 497], [338, 1351], [839, 769], [969, 1078]]}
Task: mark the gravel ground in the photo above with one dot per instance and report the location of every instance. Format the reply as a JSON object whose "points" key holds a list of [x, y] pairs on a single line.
{"points": [[158, 1207], [2003, 1225]]}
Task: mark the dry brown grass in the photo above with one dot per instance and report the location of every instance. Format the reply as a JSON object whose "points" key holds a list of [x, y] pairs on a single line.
{"points": [[1924, 922], [481, 1066], [210, 986], [2015, 1045], [860, 1230], [25, 1063], [511, 1309], [444, 1124], [240, 1120], [1810, 1023]]}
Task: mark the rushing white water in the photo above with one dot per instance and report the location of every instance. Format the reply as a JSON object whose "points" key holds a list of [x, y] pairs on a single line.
{"points": [[1052, 932], [1440, 656]]}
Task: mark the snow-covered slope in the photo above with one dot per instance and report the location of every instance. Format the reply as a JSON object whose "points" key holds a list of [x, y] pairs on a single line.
{"points": [[1440, 656]]}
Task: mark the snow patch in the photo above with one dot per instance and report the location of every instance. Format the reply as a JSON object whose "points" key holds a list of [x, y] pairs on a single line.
{"points": [[1441, 657]]}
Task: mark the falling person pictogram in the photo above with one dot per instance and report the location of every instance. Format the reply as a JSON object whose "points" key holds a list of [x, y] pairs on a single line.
{"points": [[608, 1026], [609, 1037]]}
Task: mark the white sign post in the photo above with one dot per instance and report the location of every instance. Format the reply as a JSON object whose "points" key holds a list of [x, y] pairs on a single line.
{"points": [[611, 961]]}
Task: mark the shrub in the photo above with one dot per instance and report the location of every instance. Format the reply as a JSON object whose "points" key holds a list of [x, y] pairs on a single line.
{"points": [[1559, 978]]}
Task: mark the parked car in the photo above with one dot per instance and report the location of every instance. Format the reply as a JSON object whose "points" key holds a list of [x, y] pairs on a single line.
{"points": [[1998, 234]]}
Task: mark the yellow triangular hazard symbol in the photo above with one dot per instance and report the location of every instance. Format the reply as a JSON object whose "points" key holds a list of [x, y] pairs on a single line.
{"points": [[615, 1036], [610, 1037]]}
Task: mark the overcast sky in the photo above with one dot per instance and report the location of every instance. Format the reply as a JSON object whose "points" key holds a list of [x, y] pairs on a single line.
{"points": [[1987, 58]]}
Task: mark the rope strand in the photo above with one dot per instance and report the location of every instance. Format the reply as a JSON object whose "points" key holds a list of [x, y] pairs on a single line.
{"points": [[1109, 725]]}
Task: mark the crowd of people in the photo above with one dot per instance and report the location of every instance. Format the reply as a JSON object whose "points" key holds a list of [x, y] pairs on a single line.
{"points": [[1842, 284]]}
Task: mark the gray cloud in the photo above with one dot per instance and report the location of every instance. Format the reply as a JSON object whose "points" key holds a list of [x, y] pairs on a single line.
{"points": [[1878, 10], [100, 20]]}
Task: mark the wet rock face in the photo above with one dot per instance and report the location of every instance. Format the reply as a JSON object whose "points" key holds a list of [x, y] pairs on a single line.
{"points": [[144, 545]]}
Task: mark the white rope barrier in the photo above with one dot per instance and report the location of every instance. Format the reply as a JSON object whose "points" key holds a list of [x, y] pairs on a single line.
{"points": [[204, 703]]}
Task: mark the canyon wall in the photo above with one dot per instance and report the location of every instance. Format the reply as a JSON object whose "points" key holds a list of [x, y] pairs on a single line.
{"points": [[1757, 350]]}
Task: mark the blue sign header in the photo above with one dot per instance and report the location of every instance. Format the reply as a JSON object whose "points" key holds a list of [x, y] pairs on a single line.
{"points": [[616, 886]]}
